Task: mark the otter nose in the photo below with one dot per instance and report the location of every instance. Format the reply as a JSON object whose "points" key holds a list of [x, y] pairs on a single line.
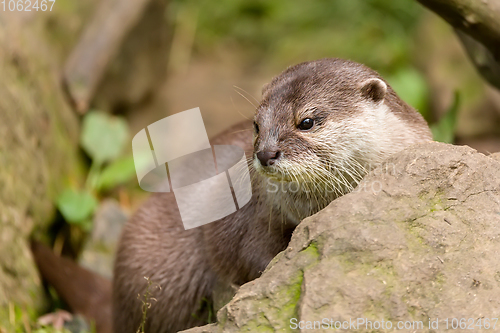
{"points": [[268, 157]]}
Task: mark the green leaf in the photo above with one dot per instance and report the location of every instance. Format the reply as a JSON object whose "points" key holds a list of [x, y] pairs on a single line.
{"points": [[76, 206], [444, 129], [118, 172], [86, 224], [411, 86], [103, 136]]}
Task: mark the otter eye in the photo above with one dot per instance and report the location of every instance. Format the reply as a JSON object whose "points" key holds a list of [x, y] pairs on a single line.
{"points": [[306, 124], [256, 127]]}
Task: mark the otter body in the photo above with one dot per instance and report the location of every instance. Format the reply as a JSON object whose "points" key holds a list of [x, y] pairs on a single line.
{"points": [[321, 126], [187, 263]]}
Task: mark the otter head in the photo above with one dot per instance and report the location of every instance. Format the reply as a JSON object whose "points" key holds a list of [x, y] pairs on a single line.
{"points": [[324, 124]]}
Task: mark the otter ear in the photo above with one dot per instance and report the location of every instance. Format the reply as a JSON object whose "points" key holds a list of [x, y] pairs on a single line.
{"points": [[374, 89]]}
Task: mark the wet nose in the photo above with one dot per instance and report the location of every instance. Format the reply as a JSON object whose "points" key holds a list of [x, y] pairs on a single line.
{"points": [[268, 157]]}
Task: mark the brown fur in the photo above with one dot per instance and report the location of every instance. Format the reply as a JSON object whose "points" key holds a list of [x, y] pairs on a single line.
{"points": [[85, 292], [186, 263]]}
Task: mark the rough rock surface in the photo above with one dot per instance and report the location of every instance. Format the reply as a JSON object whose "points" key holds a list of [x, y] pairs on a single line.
{"points": [[418, 239], [99, 251], [39, 151], [38, 144]]}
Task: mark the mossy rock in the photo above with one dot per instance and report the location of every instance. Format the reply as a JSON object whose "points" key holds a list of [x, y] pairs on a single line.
{"points": [[416, 244], [38, 150]]}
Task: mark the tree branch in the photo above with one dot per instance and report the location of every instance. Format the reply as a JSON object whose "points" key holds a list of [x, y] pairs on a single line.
{"points": [[98, 44], [479, 19]]}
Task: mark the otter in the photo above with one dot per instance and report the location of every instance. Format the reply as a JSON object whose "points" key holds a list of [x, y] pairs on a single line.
{"points": [[320, 127]]}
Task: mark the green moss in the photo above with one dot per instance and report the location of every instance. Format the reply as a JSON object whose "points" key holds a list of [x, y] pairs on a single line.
{"points": [[291, 293], [414, 240], [348, 260], [440, 279], [436, 203], [312, 250], [280, 308], [257, 326]]}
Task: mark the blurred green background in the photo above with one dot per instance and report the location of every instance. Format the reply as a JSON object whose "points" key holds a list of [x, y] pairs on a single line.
{"points": [[271, 35], [178, 55], [412, 48]]}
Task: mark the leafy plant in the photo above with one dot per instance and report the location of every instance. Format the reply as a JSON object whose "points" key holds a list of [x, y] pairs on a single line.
{"points": [[103, 138], [77, 206], [117, 172]]}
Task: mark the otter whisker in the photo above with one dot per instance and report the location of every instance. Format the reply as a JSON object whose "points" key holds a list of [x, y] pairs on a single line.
{"points": [[246, 92], [255, 106]]}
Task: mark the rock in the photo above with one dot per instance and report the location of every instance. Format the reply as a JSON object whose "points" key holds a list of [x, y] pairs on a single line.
{"points": [[38, 153], [99, 251], [39, 130], [78, 324], [418, 240], [108, 222]]}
